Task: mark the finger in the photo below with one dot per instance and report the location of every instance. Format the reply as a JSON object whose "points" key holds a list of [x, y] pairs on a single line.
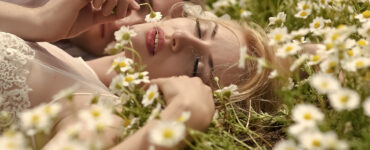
{"points": [[134, 5], [108, 7], [97, 4], [122, 8]]}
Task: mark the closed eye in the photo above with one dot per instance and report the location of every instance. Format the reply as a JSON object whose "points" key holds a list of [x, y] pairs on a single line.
{"points": [[198, 28], [195, 68]]}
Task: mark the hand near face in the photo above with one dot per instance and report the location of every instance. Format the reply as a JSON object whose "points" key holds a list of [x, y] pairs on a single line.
{"points": [[68, 18], [189, 94]]}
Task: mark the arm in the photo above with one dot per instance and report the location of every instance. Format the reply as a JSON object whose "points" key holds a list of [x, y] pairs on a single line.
{"points": [[58, 19]]}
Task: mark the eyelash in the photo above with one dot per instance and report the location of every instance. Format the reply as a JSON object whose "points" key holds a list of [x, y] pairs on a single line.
{"points": [[196, 61]]}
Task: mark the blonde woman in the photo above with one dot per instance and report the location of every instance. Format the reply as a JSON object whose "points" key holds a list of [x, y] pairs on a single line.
{"points": [[199, 48]]}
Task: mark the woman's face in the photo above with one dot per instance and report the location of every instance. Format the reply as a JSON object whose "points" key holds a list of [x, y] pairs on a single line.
{"points": [[188, 47], [99, 36]]}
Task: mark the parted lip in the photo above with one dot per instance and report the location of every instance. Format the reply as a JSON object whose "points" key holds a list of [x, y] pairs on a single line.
{"points": [[150, 40]]}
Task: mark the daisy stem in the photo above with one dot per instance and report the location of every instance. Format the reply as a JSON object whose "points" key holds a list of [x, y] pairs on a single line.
{"points": [[147, 4], [134, 51]]}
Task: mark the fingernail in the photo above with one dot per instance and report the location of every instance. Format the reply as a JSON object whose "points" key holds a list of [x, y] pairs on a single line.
{"points": [[136, 5]]}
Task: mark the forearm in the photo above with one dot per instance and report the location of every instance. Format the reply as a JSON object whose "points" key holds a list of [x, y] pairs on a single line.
{"points": [[21, 21]]}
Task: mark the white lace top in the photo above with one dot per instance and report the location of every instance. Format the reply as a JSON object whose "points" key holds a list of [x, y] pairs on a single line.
{"points": [[14, 56], [32, 73]]}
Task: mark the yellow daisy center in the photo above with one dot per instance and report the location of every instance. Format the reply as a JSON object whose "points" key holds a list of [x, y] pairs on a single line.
{"points": [[316, 143], [306, 6], [344, 99], [47, 109], [151, 95], [122, 64], [307, 116], [167, 133], [317, 25], [278, 37], [126, 123], [152, 15], [335, 36], [303, 14], [361, 42], [366, 14], [316, 58], [329, 46], [288, 48], [35, 119], [360, 64], [322, 2], [129, 79], [126, 36], [324, 84], [350, 52], [95, 113], [11, 145]]}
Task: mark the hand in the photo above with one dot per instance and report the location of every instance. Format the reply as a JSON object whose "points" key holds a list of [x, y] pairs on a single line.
{"points": [[189, 94], [68, 18]]}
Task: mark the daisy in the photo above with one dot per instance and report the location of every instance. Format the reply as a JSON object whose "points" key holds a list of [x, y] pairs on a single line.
{"points": [[307, 114], [364, 16], [288, 49], [130, 79], [329, 65], [228, 91], [366, 106], [261, 64], [365, 29], [344, 99], [303, 14], [167, 134], [245, 14], [323, 3], [184, 117], [355, 64], [298, 62], [298, 35], [97, 118], [278, 35], [153, 17], [116, 86], [324, 83], [142, 77], [12, 140], [352, 52], [51, 110], [304, 5], [150, 95], [362, 43], [124, 35], [278, 20], [121, 64], [129, 122], [312, 140], [316, 58], [285, 145], [299, 128], [66, 93], [317, 24], [243, 53], [34, 121], [155, 112], [111, 48], [332, 142], [273, 74]]}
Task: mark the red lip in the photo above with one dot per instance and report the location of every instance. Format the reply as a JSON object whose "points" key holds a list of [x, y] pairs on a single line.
{"points": [[150, 37]]}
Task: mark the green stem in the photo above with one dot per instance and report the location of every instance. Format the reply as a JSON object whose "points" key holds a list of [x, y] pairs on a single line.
{"points": [[236, 139], [147, 4], [134, 51]]}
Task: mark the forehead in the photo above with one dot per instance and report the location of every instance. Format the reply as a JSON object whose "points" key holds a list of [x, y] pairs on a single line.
{"points": [[225, 51]]}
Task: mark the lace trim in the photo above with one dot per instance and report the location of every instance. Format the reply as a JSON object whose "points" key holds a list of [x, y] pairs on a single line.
{"points": [[14, 55]]}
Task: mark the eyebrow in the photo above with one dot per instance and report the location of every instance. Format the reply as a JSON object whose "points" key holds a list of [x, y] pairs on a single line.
{"points": [[210, 64]]}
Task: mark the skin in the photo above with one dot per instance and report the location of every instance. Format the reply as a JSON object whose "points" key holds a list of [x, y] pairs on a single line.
{"points": [[181, 47], [59, 19], [96, 38]]}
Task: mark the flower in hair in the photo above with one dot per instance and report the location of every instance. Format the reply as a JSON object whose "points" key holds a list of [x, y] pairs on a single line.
{"points": [[153, 17]]}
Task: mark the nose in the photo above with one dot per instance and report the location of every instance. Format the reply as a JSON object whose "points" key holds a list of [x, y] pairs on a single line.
{"points": [[181, 40], [132, 19]]}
